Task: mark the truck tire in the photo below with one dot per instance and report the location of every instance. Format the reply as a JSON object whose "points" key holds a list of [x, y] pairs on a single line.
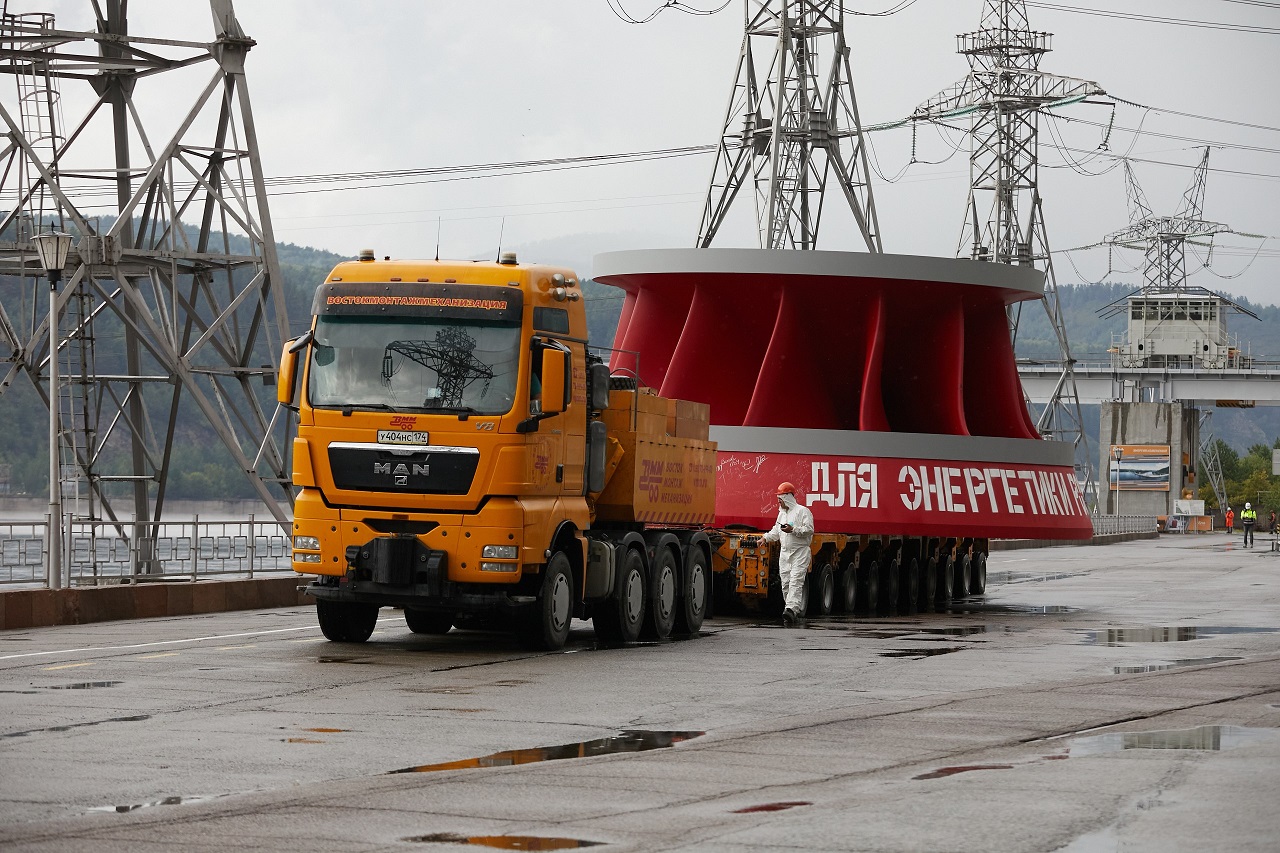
{"points": [[822, 591], [929, 584], [428, 621], [889, 586], [946, 580], [618, 620], [962, 577], [660, 614], [908, 585], [546, 625], [345, 622], [847, 590], [978, 574], [692, 608], [868, 583]]}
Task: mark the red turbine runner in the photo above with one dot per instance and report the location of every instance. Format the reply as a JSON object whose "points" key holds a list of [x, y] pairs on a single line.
{"points": [[821, 365]]}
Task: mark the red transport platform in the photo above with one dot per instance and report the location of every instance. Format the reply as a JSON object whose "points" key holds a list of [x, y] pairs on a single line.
{"points": [[884, 386]]}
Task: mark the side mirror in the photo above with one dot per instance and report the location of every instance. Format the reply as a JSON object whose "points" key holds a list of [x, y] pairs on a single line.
{"points": [[288, 375], [287, 380], [554, 364]]}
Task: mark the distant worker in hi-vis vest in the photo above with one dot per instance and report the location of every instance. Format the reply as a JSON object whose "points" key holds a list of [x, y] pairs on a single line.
{"points": [[1249, 517]]}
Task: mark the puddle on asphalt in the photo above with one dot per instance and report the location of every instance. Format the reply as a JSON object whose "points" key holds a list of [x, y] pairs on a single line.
{"points": [[82, 685], [967, 608], [773, 807], [137, 718], [505, 842], [943, 772], [895, 633], [1030, 577], [1173, 664], [628, 741], [1178, 634], [921, 653], [1208, 738], [133, 807]]}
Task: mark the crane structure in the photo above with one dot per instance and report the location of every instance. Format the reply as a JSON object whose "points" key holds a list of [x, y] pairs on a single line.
{"points": [[791, 126], [173, 301], [1003, 95]]}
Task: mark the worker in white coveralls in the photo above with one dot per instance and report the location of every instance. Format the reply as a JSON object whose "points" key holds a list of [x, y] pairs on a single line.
{"points": [[793, 532]]}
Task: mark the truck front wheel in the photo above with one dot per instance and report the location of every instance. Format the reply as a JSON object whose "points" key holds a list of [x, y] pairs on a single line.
{"points": [[428, 621], [345, 622], [618, 621], [547, 624]]}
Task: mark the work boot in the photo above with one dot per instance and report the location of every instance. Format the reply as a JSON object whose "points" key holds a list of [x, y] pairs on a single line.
{"points": [[788, 617]]}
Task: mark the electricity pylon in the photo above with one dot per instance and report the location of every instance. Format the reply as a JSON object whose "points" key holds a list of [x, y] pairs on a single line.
{"points": [[1003, 95], [792, 128], [174, 300], [1164, 238]]}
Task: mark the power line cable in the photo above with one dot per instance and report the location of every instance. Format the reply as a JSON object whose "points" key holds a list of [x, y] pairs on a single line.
{"points": [[1158, 19]]}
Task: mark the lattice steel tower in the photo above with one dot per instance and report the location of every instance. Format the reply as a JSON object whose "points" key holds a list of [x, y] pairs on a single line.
{"points": [[792, 128], [1003, 95], [1164, 238], [173, 301]]}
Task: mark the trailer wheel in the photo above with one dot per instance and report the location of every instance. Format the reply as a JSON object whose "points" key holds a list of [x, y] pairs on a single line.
{"points": [[889, 586], [546, 626], [428, 621], [693, 597], [660, 615], [617, 621], [946, 580], [822, 591], [345, 622], [963, 569], [868, 583], [928, 583], [978, 574], [847, 585], [909, 585]]}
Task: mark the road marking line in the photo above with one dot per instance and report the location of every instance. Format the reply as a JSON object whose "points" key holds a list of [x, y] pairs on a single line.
{"points": [[245, 646], [69, 665], [173, 642], [161, 655], [157, 643]]}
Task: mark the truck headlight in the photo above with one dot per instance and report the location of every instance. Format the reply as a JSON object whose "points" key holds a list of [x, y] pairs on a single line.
{"points": [[300, 557], [306, 543], [497, 552], [499, 567]]}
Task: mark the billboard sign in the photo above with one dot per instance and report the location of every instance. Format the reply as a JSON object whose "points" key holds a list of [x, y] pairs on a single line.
{"points": [[1141, 468]]}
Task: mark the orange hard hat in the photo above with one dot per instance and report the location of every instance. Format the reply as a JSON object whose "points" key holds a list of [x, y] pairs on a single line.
{"points": [[786, 489]]}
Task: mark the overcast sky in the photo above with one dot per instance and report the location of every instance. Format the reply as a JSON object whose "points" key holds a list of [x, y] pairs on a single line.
{"points": [[342, 87]]}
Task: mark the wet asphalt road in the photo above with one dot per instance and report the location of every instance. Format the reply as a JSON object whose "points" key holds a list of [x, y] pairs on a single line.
{"points": [[1098, 699]]}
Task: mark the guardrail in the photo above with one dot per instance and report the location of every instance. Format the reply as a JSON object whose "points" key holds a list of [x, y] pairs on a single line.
{"points": [[1112, 525], [115, 552]]}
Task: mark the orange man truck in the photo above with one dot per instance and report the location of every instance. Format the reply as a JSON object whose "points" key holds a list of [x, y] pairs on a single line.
{"points": [[461, 454]]}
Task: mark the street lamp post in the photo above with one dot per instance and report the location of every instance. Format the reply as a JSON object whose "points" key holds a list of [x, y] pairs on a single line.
{"points": [[53, 250], [1117, 453]]}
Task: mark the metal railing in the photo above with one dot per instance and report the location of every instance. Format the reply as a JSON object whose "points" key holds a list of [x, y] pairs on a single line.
{"points": [[1110, 525], [105, 552]]}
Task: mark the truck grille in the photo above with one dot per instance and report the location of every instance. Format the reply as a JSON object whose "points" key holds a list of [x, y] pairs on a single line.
{"points": [[408, 469]]}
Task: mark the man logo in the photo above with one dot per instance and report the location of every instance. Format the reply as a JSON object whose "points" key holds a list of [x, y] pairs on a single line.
{"points": [[402, 471]]}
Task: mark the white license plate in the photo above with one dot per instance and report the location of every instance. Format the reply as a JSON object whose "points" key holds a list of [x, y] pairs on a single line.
{"points": [[396, 436]]}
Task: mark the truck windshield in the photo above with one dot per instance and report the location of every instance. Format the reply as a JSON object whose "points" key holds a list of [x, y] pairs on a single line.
{"points": [[412, 364]]}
